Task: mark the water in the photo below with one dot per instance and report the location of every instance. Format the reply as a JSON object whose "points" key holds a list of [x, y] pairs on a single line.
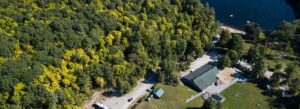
{"points": [[267, 13]]}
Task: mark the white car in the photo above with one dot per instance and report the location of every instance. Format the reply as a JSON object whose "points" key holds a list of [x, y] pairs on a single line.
{"points": [[98, 105]]}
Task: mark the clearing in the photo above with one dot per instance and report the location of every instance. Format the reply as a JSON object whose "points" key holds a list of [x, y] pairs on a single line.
{"points": [[245, 96], [174, 98]]}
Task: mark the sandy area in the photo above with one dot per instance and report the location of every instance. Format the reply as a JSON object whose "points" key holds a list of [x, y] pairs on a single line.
{"points": [[233, 30], [116, 102], [122, 102], [197, 64], [268, 74], [225, 76]]}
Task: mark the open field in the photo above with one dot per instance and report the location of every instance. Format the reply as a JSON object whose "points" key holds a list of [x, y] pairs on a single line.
{"points": [[174, 98], [248, 97]]}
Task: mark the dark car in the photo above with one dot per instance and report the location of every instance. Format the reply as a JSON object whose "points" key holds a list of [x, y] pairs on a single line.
{"points": [[130, 99]]}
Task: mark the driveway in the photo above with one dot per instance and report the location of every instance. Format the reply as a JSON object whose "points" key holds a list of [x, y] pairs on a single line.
{"points": [[198, 63], [122, 102]]}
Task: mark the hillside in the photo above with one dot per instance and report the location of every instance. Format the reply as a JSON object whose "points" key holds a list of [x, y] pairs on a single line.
{"points": [[55, 53]]}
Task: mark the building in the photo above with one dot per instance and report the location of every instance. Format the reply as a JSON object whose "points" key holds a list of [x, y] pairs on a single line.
{"points": [[202, 77], [158, 92]]}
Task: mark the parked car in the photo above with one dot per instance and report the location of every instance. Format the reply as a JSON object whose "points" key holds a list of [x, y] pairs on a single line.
{"points": [[98, 105], [130, 99]]}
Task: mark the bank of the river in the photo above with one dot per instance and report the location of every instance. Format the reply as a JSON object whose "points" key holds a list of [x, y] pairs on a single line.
{"points": [[233, 30]]}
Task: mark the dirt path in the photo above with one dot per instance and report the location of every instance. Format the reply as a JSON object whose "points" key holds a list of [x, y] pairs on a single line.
{"points": [[122, 102], [88, 104], [116, 102]]}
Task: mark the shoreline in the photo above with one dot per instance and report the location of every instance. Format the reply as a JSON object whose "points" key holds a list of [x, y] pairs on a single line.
{"points": [[233, 30]]}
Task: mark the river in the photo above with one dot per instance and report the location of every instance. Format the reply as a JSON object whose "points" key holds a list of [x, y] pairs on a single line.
{"points": [[267, 13]]}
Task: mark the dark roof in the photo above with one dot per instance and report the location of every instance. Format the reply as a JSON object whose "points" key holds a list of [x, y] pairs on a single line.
{"points": [[158, 92], [199, 71], [203, 76]]}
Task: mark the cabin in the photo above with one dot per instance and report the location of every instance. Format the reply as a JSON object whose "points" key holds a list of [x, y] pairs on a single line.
{"points": [[158, 92], [202, 77]]}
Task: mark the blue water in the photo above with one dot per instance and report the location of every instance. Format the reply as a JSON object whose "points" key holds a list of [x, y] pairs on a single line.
{"points": [[267, 13]]}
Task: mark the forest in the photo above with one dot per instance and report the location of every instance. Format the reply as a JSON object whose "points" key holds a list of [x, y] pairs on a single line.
{"points": [[55, 53]]}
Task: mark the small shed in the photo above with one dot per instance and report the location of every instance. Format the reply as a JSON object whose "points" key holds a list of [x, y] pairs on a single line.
{"points": [[218, 97], [158, 92]]}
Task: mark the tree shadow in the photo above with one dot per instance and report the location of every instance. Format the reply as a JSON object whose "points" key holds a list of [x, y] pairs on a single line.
{"points": [[151, 77], [112, 93], [286, 102], [214, 53], [261, 83]]}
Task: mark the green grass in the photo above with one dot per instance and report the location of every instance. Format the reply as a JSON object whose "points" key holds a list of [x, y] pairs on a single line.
{"points": [[174, 98], [248, 98], [247, 47]]}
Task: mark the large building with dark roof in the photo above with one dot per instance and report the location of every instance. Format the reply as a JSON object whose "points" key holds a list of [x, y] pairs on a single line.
{"points": [[202, 77]]}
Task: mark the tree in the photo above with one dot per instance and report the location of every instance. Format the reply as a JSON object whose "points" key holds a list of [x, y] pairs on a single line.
{"points": [[285, 31], [212, 104], [256, 52], [225, 37], [233, 55], [254, 32], [291, 72], [224, 62], [295, 86], [289, 48], [6, 46], [168, 68], [236, 43], [278, 67], [275, 79], [259, 68], [195, 47], [100, 81], [124, 86]]}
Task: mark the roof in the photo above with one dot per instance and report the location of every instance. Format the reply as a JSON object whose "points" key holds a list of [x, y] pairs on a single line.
{"points": [[218, 97], [199, 71], [158, 92], [204, 76]]}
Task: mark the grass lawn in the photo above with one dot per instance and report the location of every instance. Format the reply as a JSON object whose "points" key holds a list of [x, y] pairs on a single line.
{"points": [[174, 98], [248, 98]]}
